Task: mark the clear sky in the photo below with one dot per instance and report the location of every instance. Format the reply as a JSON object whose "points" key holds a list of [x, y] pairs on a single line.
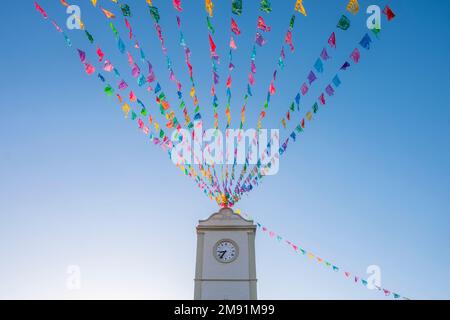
{"points": [[367, 184]]}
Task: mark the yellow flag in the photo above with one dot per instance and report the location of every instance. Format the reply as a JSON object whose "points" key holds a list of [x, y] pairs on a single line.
{"points": [[94, 2], [126, 109], [209, 7], [192, 91], [309, 116], [353, 6], [299, 7], [283, 122]]}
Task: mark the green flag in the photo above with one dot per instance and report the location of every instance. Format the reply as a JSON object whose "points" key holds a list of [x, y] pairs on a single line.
{"points": [[161, 133], [291, 23], [89, 36], [144, 112], [315, 107], [265, 6], [109, 90], [210, 27], [133, 115], [236, 7], [154, 12], [344, 23], [116, 33], [126, 11]]}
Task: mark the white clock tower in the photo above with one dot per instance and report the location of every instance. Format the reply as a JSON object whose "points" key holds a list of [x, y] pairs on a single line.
{"points": [[225, 268]]}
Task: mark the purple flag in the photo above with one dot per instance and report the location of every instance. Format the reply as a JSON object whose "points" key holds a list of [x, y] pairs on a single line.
{"points": [[122, 85], [329, 90], [345, 65], [260, 40], [311, 77], [324, 55]]}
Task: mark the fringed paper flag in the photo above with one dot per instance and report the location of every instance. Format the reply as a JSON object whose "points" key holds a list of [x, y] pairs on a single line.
{"points": [[177, 5], [288, 40], [108, 14], [344, 23], [332, 40], [366, 41], [389, 13], [236, 7], [209, 7], [353, 6], [355, 55], [234, 27], [262, 25], [265, 6], [299, 7]]}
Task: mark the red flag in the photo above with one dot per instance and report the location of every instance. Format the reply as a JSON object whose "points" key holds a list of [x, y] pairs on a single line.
{"points": [[234, 27], [332, 40], [262, 25], [389, 13], [212, 44], [303, 123], [39, 8], [132, 97], [100, 54], [272, 89], [177, 5], [322, 99], [229, 82]]}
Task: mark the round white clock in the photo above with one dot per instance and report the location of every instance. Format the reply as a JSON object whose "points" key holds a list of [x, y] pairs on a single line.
{"points": [[226, 251]]}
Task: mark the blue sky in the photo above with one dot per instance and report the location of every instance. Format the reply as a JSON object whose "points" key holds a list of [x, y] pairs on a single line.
{"points": [[368, 183]]}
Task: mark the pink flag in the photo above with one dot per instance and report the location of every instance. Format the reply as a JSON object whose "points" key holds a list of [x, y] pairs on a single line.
{"points": [[177, 5], [355, 55], [253, 66], [251, 79], [288, 40], [232, 44], [234, 27], [272, 89], [108, 66], [262, 25], [304, 89], [332, 40], [89, 68]]}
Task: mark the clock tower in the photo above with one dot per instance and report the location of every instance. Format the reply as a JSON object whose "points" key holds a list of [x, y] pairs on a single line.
{"points": [[225, 267]]}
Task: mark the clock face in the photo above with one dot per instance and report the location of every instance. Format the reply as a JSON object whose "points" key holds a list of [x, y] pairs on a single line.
{"points": [[226, 251]]}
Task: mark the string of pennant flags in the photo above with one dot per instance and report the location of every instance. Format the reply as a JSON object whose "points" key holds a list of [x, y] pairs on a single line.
{"points": [[255, 176], [230, 187], [160, 138], [313, 257]]}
